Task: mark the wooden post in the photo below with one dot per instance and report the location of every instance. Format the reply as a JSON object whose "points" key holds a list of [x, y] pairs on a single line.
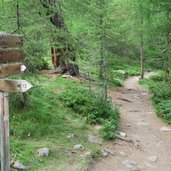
{"points": [[10, 56], [4, 132]]}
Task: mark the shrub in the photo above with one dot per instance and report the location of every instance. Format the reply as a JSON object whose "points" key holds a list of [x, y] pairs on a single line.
{"points": [[164, 110], [160, 92], [94, 107], [157, 78], [161, 95]]}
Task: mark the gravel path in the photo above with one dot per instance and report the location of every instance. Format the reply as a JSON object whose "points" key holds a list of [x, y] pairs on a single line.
{"points": [[151, 147]]}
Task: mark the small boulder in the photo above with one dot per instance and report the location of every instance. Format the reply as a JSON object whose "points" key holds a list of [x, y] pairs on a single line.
{"points": [[130, 164], [43, 152], [153, 158], [104, 153], [78, 147], [128, 125], [122, 134], [19, 166], [165, 129]]}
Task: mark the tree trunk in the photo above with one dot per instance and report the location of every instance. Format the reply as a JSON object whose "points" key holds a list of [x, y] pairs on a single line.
{"points": [[105, 77], [101, 63], [142, 51], [18, 16], [61, 56]]}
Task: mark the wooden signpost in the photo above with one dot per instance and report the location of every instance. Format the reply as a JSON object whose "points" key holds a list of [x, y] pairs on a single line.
{"points": [[7, 56], [11, 57]]}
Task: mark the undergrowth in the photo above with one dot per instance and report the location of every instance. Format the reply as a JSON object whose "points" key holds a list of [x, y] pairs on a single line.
{"points": [[94, 108], [161, 95], [38, 119]]}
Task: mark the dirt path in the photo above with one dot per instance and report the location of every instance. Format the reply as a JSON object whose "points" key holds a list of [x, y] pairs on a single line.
{"points": [[140, 123]]}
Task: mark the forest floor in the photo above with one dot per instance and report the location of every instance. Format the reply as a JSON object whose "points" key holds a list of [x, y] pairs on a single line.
{"points": [[146, 147]]}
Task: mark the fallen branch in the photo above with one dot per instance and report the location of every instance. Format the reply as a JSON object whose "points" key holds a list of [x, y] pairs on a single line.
{"points": [[110, 152], [128, 140], [124, 100]]}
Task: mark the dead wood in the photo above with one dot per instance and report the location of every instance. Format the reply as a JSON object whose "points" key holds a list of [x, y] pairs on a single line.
{"points": [[135, 143], [126, 100]]}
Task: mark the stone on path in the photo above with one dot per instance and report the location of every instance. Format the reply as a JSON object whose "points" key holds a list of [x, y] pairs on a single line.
{"points": [[153, 158], [130, 164], [94, 139], [142, 124], [122, 134], [165, 129], [122, 154], [104, 153]]}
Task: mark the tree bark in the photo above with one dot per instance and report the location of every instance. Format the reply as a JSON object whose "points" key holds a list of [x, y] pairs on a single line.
{"points": [[142, 50], [18, 15], [61, 56]]}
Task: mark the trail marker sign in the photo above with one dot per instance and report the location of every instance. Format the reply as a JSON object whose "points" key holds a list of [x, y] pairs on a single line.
{"points": [[8, 85], [11, 56], [14, 55], [10, 40]]}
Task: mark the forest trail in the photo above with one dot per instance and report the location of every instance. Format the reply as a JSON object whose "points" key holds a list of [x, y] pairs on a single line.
{"points": [[140, 124]]}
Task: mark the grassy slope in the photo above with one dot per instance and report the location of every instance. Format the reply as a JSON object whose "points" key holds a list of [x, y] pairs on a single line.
{"points": [[45, 123]]}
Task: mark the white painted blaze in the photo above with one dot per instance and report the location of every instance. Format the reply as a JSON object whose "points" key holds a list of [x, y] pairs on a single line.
{"points": [[23, 68]]}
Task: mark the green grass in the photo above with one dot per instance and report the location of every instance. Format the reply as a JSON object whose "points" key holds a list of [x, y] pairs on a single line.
{"points": [[45, 122], [161, 95], [93, 107]]}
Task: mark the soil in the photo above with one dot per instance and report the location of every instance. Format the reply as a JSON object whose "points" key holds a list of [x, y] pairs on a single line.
{"points": [[140, 123]]}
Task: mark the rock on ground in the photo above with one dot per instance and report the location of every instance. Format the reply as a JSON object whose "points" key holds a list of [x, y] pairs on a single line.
{"points": [[165, 129], [78, 147], [104, 153], [43, 152], [94, 139], [19, 166], [153, 158]]}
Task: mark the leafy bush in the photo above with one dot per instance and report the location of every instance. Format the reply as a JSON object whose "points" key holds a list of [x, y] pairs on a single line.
{"points": [[157, 78], [107, 129], [160, 92], [161, 95], [164, 110], [94, 107]]}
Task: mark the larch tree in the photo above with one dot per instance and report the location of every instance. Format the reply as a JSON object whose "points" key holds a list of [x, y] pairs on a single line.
{"points": [[63, 54]]}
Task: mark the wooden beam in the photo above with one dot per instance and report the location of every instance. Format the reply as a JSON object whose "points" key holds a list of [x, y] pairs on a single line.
{"points": [[11, 41], [10, 69], [4, 132], [7, 56], [9, 85]]}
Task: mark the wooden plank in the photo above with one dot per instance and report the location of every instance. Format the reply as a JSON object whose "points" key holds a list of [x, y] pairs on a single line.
{"points": [[11, 41], [4, 132], [7, 56], [10, 85], [10, 69]]}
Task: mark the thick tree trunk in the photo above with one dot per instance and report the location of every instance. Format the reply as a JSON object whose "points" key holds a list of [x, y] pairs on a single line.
{"points": [[61, 56]]}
